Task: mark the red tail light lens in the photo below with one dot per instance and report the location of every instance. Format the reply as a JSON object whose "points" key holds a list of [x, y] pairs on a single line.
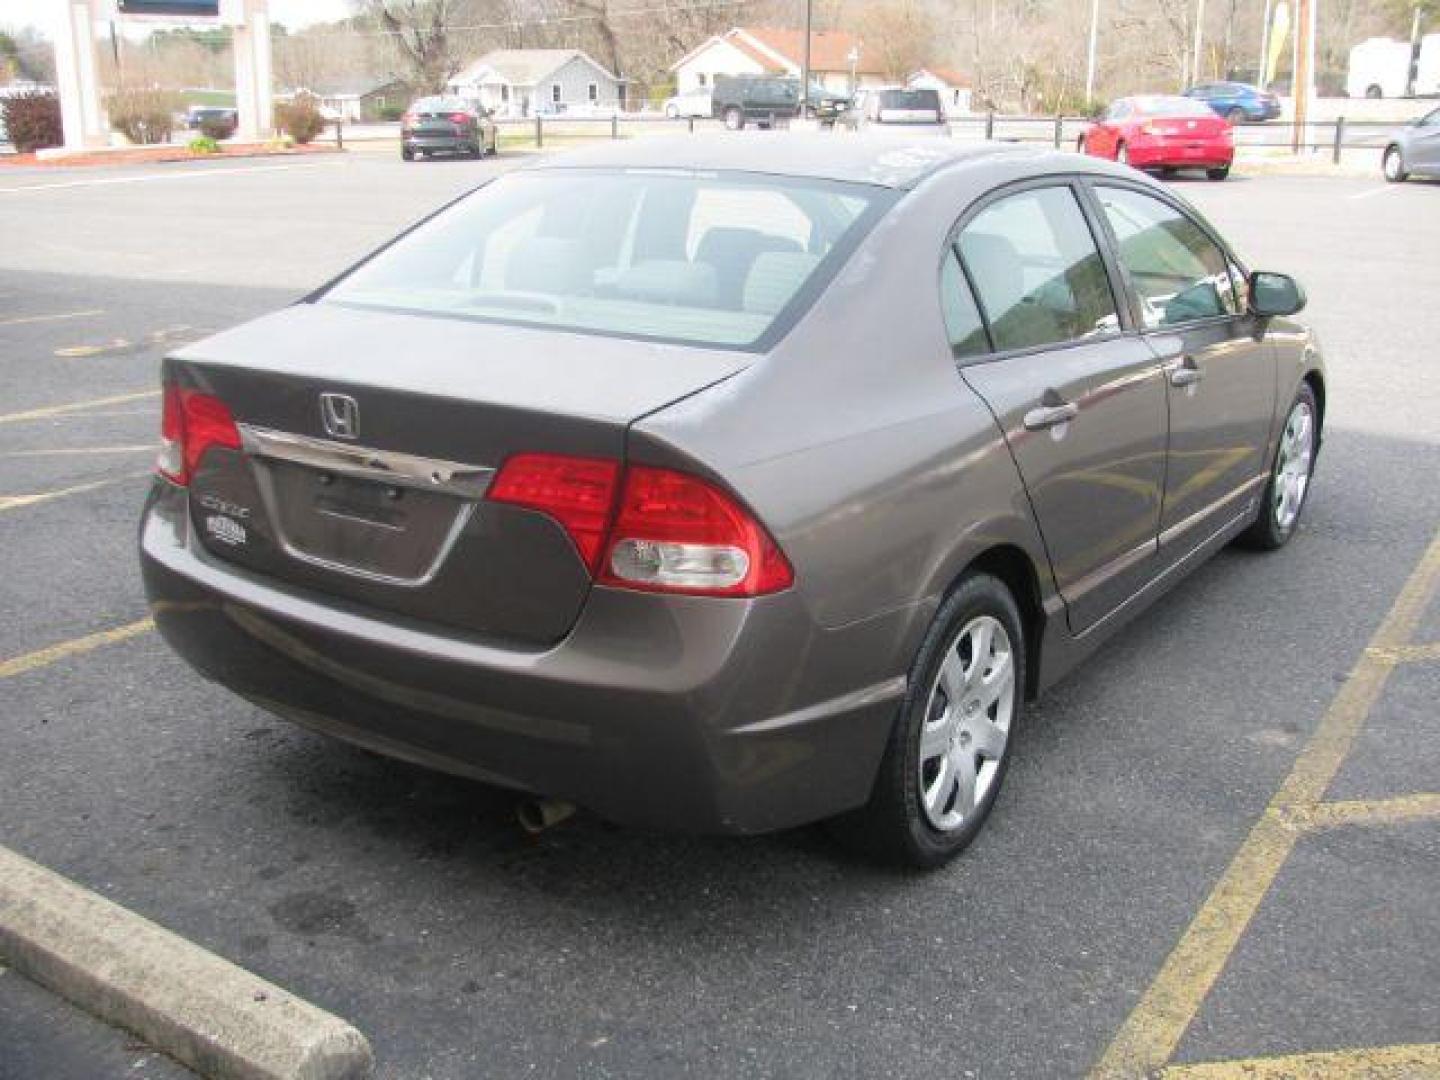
{"points": [[190, 424], [459, 118], [577, 492], [677, 533]]}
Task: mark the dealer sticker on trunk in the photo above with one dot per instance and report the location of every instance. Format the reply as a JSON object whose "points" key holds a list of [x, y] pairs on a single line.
{"points": [[226, 530]]}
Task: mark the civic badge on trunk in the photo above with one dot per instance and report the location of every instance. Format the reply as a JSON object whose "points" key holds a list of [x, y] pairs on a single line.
{"points": [[341, 415]]}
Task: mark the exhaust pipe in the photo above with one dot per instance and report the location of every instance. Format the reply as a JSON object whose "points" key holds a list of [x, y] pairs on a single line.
{"points": [[537, 815]]}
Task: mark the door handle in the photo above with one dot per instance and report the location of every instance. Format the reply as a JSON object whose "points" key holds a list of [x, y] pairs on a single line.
{"points": [[1186, 373], [1047, 416]]}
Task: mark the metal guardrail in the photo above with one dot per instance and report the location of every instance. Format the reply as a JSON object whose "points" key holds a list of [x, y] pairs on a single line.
{"points": [[1336, 135]]}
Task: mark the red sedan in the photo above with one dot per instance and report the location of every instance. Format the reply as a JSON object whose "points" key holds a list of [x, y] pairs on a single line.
{"points": [[1157, 132]]}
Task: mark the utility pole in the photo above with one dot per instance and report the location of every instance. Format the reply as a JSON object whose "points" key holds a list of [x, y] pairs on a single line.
{"points": [[805, 71], [1199, 39], [1304, 68], [1090, 59], [1262, 68]]}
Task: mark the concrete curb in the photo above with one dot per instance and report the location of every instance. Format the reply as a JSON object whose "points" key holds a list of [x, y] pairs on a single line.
{"points": [[202, 1010]]}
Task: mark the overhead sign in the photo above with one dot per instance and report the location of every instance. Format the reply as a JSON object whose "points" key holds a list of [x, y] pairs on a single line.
{"points": [[178, 9]]}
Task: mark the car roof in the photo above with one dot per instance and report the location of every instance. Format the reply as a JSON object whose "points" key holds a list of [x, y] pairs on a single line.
{"points": [[892, 160]]}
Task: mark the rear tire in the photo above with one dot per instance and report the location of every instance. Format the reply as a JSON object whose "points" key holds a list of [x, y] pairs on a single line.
{"points": [[975, 648], [1290, 475], [406, 154], [1393, 165], [1218, 174], [1235, 116], [734, 119]]}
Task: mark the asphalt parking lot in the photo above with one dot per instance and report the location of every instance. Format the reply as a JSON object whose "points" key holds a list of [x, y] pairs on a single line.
{"points": [[1269, 727]]}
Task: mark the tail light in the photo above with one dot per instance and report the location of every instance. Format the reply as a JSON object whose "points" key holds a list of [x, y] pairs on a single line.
{"points": [[190, 424], [459, 118], [407, 121], [576, 492], [667, 531]]}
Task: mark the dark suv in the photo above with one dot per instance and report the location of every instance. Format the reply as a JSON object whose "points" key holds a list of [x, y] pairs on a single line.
{"points": [[761, 99]]}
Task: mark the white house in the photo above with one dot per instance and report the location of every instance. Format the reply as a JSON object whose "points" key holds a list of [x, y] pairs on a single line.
{"points": [[953, 88], [837, 59], [527, 82]]}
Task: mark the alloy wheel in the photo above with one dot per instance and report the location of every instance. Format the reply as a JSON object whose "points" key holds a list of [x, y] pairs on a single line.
{"points": [[1293, 463], [967, 723]]}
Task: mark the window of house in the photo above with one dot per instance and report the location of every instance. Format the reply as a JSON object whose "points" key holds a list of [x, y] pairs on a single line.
{"points": [[1038, 272], [1177, 270], [555, 93], [594, 92], [504, 93], [700, 79]]}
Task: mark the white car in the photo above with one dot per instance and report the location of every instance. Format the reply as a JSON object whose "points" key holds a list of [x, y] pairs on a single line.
{"points": [[695, 103]]}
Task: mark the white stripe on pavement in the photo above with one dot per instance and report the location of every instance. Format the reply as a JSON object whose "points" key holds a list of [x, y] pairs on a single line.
{"points": [[186, 175]]}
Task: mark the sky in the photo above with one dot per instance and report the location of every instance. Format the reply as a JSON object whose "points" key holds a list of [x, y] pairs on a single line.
{"points": [[293, 13]]}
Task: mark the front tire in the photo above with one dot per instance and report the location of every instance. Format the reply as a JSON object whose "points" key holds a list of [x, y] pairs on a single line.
{"points": [[949, 748], [1080, 145], [406, 154], [1393, 165], [1290, 475]]}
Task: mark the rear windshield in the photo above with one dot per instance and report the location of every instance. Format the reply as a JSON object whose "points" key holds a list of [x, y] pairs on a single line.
{"points": [[696, 258], [440, 104], [910, 99], [1171, 106]]}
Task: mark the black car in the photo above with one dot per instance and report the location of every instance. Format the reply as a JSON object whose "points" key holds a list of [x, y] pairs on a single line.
{"points": [[217, 117], [758, 99], [447, 125]]}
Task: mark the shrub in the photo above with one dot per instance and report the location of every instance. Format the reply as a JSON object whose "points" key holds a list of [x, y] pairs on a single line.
{"points": [[144, 116], [300, 119], [205, 144], [391, 112], [217, 127], [33, 121]]}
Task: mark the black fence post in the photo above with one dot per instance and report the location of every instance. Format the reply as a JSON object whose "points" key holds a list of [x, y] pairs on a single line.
{"points": [[614, 125], [339, 135], [990, 125], [692, 125], [1059, 128], [1339, 137], [539, 132]]}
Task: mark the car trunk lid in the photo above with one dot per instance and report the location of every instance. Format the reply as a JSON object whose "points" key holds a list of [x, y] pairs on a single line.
{"points": [[369, 439]]}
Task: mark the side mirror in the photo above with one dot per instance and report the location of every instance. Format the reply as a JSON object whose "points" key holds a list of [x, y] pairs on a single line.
{"points": [[1275, 294]]}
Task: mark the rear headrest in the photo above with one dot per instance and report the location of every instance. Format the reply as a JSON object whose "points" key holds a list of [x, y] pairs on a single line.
{"points": [[547, 264], [669, 281], [775, 277]]}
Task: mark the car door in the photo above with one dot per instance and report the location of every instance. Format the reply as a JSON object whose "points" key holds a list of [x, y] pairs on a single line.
{"points": [[1424, 155], [1219, 370], [1080, 400]]}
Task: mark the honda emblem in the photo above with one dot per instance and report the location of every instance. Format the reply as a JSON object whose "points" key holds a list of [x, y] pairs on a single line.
{"points": [[341, 415]]}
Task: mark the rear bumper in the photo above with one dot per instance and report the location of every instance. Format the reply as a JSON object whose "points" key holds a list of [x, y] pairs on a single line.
{"points": [[1146, 154], [452, 143], [674, 713]]}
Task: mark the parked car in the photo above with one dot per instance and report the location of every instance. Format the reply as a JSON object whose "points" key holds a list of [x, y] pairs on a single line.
{"points": [[225, 120], [759, 99], [695, 103], [447, 125], [1239, 103], [1414, 150], [1158, 132], [1386, 68], [895, 105], [825, 105], [730, 484]]}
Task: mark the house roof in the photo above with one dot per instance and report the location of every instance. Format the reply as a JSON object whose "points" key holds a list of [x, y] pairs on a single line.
{"points": [[523, 67], [779, 50], [949, 76], [353, 87]]}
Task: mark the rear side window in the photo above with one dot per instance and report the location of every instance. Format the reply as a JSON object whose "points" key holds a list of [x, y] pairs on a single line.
{"points": [[1178, 272], [962, 318], [1038, 272]]}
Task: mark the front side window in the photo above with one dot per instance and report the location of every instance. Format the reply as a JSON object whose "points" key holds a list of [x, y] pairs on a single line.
{"points": [[694, 258], [1038, 272], [1178, 272]]}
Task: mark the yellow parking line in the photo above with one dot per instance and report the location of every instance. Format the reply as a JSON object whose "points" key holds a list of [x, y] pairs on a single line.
{"points": [[1329, 815], [47, 656], [1155, 1026], [1407, 654], [75, 406], [50, 318], [15, 502], [1407, 1062]]}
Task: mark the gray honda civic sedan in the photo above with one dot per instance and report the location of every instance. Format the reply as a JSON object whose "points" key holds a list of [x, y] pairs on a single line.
{"points": [[730, 484]]}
